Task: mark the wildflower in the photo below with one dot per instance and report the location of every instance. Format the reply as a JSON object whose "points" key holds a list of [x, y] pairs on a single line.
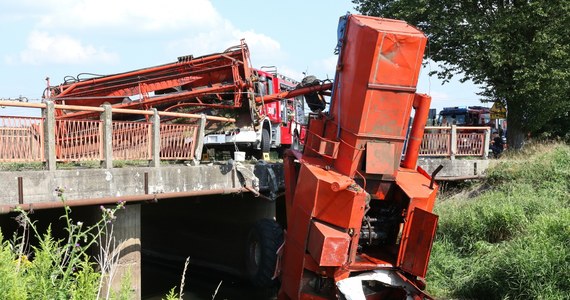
{"points": [[59, 191], [79, 224], [77, 245]]}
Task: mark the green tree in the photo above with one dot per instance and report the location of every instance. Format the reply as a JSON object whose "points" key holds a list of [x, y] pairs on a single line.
{"points": [[519, 51]]}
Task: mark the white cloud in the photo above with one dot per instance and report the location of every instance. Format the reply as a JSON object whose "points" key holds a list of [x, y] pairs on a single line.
{"points": [[439, 96], [61, 49], [129, 14], [263, 49], [290, 72], [326, 66], [439, 99], [183, 26]]}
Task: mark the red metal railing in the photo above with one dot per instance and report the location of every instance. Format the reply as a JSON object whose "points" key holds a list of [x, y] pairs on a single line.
{"points": [[78, 140], [132, 140], [177, 141], [21, 139]]}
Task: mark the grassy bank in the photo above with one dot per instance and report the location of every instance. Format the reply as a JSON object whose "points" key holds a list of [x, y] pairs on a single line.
{"points": [[61, 267], [508, 237]]}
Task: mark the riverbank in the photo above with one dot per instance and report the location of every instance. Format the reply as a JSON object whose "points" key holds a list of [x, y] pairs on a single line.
{"points": [[508, 235]]}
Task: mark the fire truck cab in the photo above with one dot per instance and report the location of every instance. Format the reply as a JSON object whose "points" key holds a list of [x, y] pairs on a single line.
{"points": [[276, 118], [470, 116]]}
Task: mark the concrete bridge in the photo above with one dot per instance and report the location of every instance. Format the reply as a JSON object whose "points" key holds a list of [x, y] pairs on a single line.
{"points": [[52, 145]]}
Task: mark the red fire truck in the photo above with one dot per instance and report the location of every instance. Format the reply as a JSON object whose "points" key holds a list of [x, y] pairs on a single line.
{"points": [[276, 118]]}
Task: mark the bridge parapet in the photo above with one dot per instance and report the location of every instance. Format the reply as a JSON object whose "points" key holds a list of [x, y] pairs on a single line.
{"points": [[455, 141], [50, 140], [39, 189]]}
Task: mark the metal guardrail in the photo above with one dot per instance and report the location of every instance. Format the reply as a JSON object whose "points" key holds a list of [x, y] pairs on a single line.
{"points": [[454, 141], [50, 140]]}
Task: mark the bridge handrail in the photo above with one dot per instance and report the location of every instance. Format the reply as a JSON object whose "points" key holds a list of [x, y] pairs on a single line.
{"points": [[452, 141], [49, 140], [116, 110]]}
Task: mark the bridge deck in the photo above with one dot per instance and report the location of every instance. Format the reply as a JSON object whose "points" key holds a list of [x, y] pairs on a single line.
{"points": [[39, 189]]}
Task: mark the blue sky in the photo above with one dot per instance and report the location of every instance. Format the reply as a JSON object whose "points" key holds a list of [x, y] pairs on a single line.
{"points": [[55, 38]]}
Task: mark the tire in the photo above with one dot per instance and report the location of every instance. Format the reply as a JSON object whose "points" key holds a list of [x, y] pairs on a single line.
{"points": [[263, 241], [265, 141]]}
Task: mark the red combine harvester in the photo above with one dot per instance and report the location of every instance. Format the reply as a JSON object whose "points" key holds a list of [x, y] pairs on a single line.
{"points": [[359, 219], [221, 84]]}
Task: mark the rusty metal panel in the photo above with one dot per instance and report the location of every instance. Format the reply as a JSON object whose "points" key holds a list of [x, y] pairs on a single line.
{"points": [[315, 194], [381, 60], [177, 141], [381, 158], [322, 146], [399, 54], [417, 244], [21, 139], [436, 144], [328, 246], [131, 140], [78, 140]]}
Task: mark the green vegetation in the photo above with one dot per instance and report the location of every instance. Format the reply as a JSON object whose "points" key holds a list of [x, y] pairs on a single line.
{"points": [[508, 237], [54, 268], [21, 166], [84, 164]]}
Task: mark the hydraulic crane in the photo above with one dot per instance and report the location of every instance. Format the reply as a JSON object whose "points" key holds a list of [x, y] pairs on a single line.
{"points": [[359, 211], [217, 84]]}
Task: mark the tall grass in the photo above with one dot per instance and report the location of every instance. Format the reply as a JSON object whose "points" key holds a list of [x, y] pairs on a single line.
{"points": [[54, 268], [511, 241]]}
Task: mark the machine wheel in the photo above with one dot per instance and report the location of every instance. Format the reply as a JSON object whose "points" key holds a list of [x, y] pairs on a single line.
{"points": [[265, 141], [263, 241]]}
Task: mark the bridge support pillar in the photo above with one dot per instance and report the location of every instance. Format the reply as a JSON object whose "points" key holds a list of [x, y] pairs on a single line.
{"points": [[49, 134], [127, 250], [155, 119], [107, 140], [453, 141]]}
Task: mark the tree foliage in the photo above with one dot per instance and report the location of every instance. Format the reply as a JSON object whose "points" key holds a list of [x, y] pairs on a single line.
{"points": [[519, 51]]}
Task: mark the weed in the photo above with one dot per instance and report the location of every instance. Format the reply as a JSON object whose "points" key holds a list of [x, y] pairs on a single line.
{"points": [[510, 240], [56, 268]]}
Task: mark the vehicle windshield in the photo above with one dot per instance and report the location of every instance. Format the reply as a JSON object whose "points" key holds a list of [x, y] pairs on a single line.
{"points": [[451, 119]]}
